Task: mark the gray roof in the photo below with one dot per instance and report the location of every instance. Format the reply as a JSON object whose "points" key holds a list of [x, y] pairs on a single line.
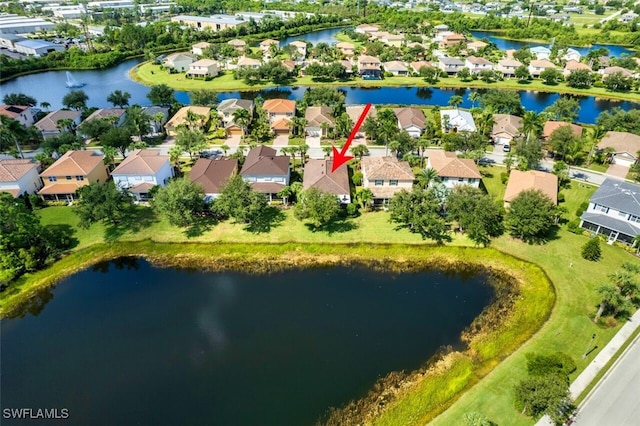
{"points": [[231, 105], [619, 195], [612, 223]]}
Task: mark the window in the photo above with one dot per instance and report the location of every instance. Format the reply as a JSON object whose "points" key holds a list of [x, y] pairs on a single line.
{"points": [[379, 182], [603, 209], [621, 213], [79, 177], [68, 177], [633, 218], [53, 179], [393, 182], [138, 177], [460, 179], [472, 180]]}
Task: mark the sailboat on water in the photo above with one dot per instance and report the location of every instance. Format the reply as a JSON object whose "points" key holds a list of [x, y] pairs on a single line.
{"points": [[72, 83]]}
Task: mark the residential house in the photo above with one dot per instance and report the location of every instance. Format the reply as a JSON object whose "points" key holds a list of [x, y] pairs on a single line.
{"points": [[301, 48], [245, 62], [412, 120], [347, 49], [226, 109], [318, 174], [477, 64], [159, 116], [366, 29], [179, 61], [416, 66], [116, 115], [385, 177], [142, 170], [182, 118], [198, 49], [265, 46], [614, 211], [572, 55], [396, 68], [280, 112], [71, 171], [22, 114], [474, 46], [508, 67], [266, 171], [319, 120], [625, 147], [550, 126], [20, 176], [451, 40], [450, 65], [440, 28], [506, 128], [453, 171], [238, 44], [214, 23], [628, 17], [547, 183], [538, 66], [203, 68], [369, 67], [613, 70], [213, 174], [396, 40], [48, 125], [355, 111], [289, 65], [455, 120], [573, 65], [540, 52]]}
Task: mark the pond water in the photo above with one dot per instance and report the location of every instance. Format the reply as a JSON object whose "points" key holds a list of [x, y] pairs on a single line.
{"points": [[129, 343], [504, 44]]}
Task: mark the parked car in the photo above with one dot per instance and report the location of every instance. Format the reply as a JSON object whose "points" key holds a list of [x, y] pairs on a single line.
{"points": [[506, 147]]}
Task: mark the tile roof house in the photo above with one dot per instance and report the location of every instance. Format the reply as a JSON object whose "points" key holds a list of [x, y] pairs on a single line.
{"points": [[547, 183], [347, 49], [396, 68], [213, 174], [141, 171], [454, 171], [625, 145], [179, 61], [266, 171], [203, 68], [420, 64], [238, 44], [159, 116], [476, 45], [226, 109], [537, 66], [386, 176], [369, 67], [48, 125], [477, 64], [22, 114], [410, 119], [199, 48], [613, 70], [318, 174], [508, 66], [506, 128], [450, 65], [301, 47], [451, 40], [118, 115], [540, 52], [457, 121], [265, 46], [71, 171], [245, 62], [551, 126], [355, 111], [389, 39], [366, 28], [572, 66], [614, 211], [20, 176], [280, 112], [316, 116], [180, 118], [572, 55]]}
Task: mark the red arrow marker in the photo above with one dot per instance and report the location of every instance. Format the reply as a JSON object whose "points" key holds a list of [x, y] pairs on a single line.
{"points": [[339, 158]]}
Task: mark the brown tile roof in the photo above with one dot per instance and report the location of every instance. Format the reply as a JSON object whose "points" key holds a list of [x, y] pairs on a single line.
{"points": [[367, 59], [74, 163], [13, 191], [12, 111], [202, 45], [542, 63], [476, 44], [180, 116], [106, 113], [298, 43], [316, 115], [573, 65], [213, 174], [49, 122], [345, 45], [60, 188], [509, 62], [395, 66], [506, 123], [141, 188], [447, 164], [551, 126], [385, 191], [420, 64], [317, 174], [268, 42], [547, 183], [279, 106], [14, 169], [453, 37], [612, 70], [354, 112], [282, 124], [410, 117], [621, 142], [263, 160], [237, 42], [267, 187], [386, 168], [248, 62], [142, 162], [478, 60]]}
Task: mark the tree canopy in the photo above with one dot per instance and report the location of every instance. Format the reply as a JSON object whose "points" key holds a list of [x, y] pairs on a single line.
{"points": [[531, 216], [239, 202], [419, 211], [102, 202], [75, 99], [476, 214], [181, 202], [162, 95], [19, 99], [317, 208]]}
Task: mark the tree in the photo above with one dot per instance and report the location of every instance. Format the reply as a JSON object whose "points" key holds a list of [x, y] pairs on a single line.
{"points": [[476, 214], [522, 73], [455, 101], [581, 79], [102, 202], [426, 176], [617, 82], [430, 74], [75, 99], [45, 105], [162, 95], [530, 216], [119, 98], [464, 74], [242, 118], [138, 120], [529, 153], [360, 151], [561, 139], [532, 125], [474, 97], [419, 211], [611, 300], [118, 138], [591, 250], [203, 97], [190, 141], [502, 102], [241, 203], [19, 99], [550, 76], [364, 197], [181, 202], [561, 169], [318, 208], [547, 394], [95, 128], [563, 109]]}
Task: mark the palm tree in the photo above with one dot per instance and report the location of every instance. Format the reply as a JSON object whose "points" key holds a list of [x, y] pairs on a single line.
{"points": [[119, 98], [474, 97], [285, 193], [109, 153], [158, 118], [242, 118], [394, 146], [66, 125], [224, 149], [327, 151], [302, 149], [485, 123], [296, 189], [364, 197], [426, 176], [45, 105], [611, 298], [194, 121], [422, 143], [455, 101], [360, 151], [625, 283], [174, 156], [531, 125]]}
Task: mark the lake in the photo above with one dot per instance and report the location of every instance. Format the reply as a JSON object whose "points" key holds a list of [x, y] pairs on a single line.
{"points": [[128, 343]]}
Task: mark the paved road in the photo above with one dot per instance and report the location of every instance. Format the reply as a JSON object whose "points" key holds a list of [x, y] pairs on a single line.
{"points": [[614, 15], [615, 400]]}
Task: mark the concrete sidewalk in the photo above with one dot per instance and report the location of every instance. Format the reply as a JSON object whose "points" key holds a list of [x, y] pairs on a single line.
{"points": [[586, 377]]}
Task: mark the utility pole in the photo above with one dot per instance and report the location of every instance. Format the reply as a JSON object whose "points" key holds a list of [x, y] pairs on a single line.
{"points": [[586, 352]]}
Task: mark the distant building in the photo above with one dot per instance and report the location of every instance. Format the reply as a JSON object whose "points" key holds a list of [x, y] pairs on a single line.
{"points": [[179, 61], [203, 68], [316, 116], [454, 171], [455, 120], [411, 120], [214, 23], [48, 125], [37, 47], [199, 48], [547, 183], [17, 24], [506, 128], [180, 118], [22, 114], [625, 147], [20, 176], [141, 171]]}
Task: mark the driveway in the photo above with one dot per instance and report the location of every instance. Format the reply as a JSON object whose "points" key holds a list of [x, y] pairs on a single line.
{"points": [[281, 140], [313, 141], [617, 171], [233, 141]]}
